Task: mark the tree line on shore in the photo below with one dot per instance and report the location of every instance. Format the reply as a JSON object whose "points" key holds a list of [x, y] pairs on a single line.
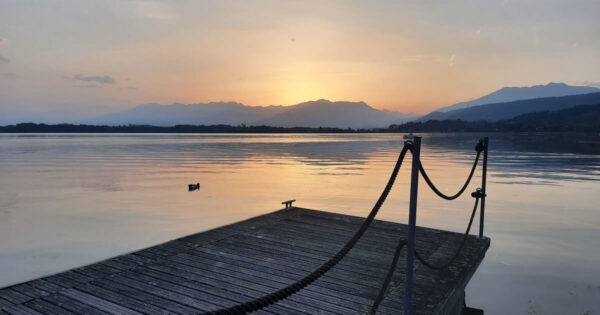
{"points": [[583, 118]]}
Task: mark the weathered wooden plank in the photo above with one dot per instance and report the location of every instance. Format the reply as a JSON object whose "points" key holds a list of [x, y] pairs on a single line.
{"points": [[322, 286], [46, 307], [230, 296], [253, 290], [20, 310], [98, 302], [313, 291], [265, 279], [341, 272], [128, 289], [72, 305], [163, 290], [13, 296]]}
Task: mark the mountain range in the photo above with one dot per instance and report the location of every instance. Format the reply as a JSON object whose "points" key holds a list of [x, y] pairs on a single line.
{"points": [[319, 113], [509, 94], [508, 110], [502, 104]]}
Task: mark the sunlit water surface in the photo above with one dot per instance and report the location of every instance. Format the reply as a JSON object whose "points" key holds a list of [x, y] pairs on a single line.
{"points": [[69, 200]]}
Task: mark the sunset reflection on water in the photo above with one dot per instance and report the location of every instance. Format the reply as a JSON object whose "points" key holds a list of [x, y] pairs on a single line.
{"points": [[69, 200]]}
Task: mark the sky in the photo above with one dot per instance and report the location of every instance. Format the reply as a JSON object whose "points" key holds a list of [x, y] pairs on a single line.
{"points": [[61, 59]]}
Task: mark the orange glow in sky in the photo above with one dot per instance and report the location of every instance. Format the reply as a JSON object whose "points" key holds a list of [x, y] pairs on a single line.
{"points": [[396, 55]]}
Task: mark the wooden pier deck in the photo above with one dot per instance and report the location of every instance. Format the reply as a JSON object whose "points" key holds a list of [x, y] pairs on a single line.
{"points": [[241, 261]]}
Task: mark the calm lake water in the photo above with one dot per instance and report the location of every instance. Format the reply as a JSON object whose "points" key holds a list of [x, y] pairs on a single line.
{"points": [[69, 200]]}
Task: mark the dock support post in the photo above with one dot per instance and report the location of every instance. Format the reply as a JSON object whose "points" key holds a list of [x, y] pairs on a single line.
{"points": [[483, 182], [412, 222]]}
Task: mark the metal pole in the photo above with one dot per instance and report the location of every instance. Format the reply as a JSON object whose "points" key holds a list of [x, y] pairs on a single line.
{"points": [[412, 222], [483, 182]]}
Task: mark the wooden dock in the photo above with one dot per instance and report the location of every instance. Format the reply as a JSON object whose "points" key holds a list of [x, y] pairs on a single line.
{"points": [[241, 261]]}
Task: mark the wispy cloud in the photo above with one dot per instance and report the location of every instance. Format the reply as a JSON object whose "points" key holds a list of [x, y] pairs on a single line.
{"points": [[89, 86], [452, 58], [412, 58], [590, 83], [3, 59], [94, 78], [152, 9], [10, 75]]}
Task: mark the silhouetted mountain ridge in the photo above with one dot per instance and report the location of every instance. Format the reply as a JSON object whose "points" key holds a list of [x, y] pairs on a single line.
{"points": [[509, 94], [580, 118], [319, 113], [508, 110]]}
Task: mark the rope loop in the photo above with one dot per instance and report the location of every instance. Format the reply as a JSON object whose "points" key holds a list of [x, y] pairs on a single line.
{"points": [[477, 194], [479, 147]]}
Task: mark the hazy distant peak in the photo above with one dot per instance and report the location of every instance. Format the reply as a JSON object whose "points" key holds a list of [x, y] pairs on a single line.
{"points": [[318, 113], [556, 84], [324, 103], [508, 110], [148, 105], [512, 93]]}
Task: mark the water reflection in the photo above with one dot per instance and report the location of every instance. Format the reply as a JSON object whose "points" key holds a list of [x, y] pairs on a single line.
{"points": [[544, 156], [68, 200]]}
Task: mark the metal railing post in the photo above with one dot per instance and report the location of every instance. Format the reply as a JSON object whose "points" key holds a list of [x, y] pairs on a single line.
{"points": [[483, 182], [412, 222]]}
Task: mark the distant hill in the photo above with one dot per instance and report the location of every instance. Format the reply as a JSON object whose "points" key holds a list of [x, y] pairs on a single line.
{"points": [[509, 94], [577, 118], [320, 113], [227, 113], [508, 110], [324, 113], [581, 118]]}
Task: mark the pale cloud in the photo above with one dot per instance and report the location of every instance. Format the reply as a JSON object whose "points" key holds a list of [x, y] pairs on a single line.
{"points": [[93, 78], [452, 58], [152, 9], [3, 59], [10, 75], [590, 83], [414, 58], [89, 86]]}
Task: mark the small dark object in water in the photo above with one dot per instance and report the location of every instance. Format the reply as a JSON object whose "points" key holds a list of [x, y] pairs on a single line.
{"points": [[192, 187]]}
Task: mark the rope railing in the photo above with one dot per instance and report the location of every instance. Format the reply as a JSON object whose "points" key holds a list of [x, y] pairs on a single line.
{"points": [[477, 195], [266, 300], [269, 299], [380, 296], [479, 148]]}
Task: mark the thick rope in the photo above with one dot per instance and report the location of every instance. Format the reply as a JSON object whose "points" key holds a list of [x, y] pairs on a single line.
{"points": [[476, 195], [388, 278], [281, 294], [479, 148]]}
